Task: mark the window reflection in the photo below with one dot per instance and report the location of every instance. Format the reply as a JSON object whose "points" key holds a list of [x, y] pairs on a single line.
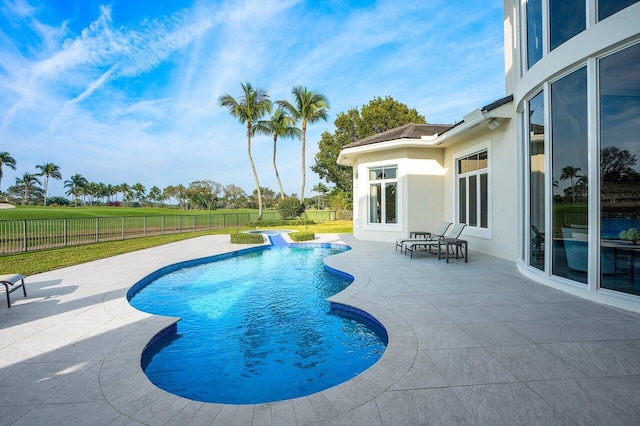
{"points": [[537, 203], [607, 8], [620, 171], [569, 171], [534, 32], [567, 18]]}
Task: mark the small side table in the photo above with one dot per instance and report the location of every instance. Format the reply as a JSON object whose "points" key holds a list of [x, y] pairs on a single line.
{"points": [[457, 244]]}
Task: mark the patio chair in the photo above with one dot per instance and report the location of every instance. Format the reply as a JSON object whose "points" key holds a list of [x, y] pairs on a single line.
{"points": [[11, 283], [423, 235], [426, 245]]}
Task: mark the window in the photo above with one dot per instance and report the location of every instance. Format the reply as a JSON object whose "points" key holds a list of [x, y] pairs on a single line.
{"points": [[567, 18], [473, 189], [619, 170], [607, 8], [537, 205], [569, 153], [383, 194], [534, 31]]}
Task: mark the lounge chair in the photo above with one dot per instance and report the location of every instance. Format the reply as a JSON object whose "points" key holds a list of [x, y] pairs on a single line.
{"points": [[421, 236], [414, 245], [11, 283]]}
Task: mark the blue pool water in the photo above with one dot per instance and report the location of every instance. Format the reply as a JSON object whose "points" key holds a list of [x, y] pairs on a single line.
{"points": [[256, 328]]}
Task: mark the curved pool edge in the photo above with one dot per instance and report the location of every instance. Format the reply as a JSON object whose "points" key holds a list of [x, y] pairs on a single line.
{"points": [[127, 389]]}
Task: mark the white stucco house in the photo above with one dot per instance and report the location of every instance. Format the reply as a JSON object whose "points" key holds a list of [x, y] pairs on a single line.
{"points": [[539, 176]]}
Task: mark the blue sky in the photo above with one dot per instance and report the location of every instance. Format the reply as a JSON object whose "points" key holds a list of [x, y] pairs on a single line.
{"points": [[126, 91]]}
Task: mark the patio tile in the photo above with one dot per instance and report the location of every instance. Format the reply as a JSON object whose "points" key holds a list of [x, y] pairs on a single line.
{"points": [[469, 366], [532, 362], [422, 374], [493, 334], [445, 336], [423, 407], [602, 401], [509, 404], [605, 358], [71, 351]]}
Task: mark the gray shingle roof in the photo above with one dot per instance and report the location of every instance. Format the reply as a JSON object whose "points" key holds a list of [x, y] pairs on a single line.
{"points": [[408, 131]]}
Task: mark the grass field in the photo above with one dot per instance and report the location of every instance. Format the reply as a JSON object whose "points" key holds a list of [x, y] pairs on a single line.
{"points": [[46, 260], [40, 212]]}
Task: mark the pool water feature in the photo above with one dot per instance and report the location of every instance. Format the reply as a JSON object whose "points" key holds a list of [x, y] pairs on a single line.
{"points": [[256, 327]]}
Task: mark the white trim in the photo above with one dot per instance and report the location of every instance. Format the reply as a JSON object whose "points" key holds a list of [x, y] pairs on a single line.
{"points": [[475, 231]]}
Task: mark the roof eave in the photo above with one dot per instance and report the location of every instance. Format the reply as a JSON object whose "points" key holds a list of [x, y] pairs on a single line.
{"points": [[347, 156]]}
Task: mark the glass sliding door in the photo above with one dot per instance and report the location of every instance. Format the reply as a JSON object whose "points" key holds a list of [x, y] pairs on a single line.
{"points": [[569, 139], [537, 204], [619, 171]]}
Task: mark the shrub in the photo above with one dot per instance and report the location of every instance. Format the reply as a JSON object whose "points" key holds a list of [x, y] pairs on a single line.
{"points": [[290, 208], [280, 222], [246, 239], [302, 236], [631, 234]]}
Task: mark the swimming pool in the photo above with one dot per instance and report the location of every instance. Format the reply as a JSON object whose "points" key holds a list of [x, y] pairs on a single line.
{"points": [[256, 327]]}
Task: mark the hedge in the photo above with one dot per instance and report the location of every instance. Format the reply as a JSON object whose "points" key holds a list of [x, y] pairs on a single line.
{"points": [[302, 236], [247, 239], [280, 222]]}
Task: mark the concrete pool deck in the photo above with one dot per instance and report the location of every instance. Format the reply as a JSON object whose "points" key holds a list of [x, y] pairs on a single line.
{"points": [[469, 343]]}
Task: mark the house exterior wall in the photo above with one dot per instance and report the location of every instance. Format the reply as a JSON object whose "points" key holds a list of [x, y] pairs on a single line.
{"points": [[501, 240], [420, 192]]}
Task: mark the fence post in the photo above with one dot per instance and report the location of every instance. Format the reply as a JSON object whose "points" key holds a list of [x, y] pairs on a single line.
{"points": [[65, 231], [224, 221], [144, 226], [179, 223], [236, 223], [162, 227], [122, 227], [24, 232], [97, 229]]}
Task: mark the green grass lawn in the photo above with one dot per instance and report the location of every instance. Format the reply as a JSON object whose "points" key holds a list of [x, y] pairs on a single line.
{"points": [[40, 212], [47, 260]]}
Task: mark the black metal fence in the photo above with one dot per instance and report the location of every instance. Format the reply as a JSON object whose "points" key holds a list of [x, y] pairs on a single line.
{"points": [[18, 236]]}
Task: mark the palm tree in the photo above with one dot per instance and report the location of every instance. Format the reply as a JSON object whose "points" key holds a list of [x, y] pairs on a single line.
{"points": [[48, 170], [253, 105], [281, 125], [27, 181], [309, 108], [6, 158], [125, 189], [570, 172], [75, 184], [139, 190]]}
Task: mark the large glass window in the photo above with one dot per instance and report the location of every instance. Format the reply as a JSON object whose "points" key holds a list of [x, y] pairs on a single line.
{"points": [[534, 32], [383, 195], [569, 139], [566, 19], [607, 8], [620, 171], [473, 190], [537, 205]]}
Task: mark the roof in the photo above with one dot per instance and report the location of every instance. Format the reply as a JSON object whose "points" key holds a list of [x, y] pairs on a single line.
{"points": [[498, 103], [407, 131]]}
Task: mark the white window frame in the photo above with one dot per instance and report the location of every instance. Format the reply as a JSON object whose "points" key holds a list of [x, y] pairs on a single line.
{"points": [[475, 231], [396, 180]]}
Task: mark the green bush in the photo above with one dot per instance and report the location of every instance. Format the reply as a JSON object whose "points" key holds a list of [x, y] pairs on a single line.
{"points": [[246, 239], [302, 236], [290, 208], [280, 222]]}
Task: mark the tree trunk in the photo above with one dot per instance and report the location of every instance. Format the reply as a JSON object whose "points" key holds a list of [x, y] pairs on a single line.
{"points": [[255, 174], [304, 172], [275, 140]]}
